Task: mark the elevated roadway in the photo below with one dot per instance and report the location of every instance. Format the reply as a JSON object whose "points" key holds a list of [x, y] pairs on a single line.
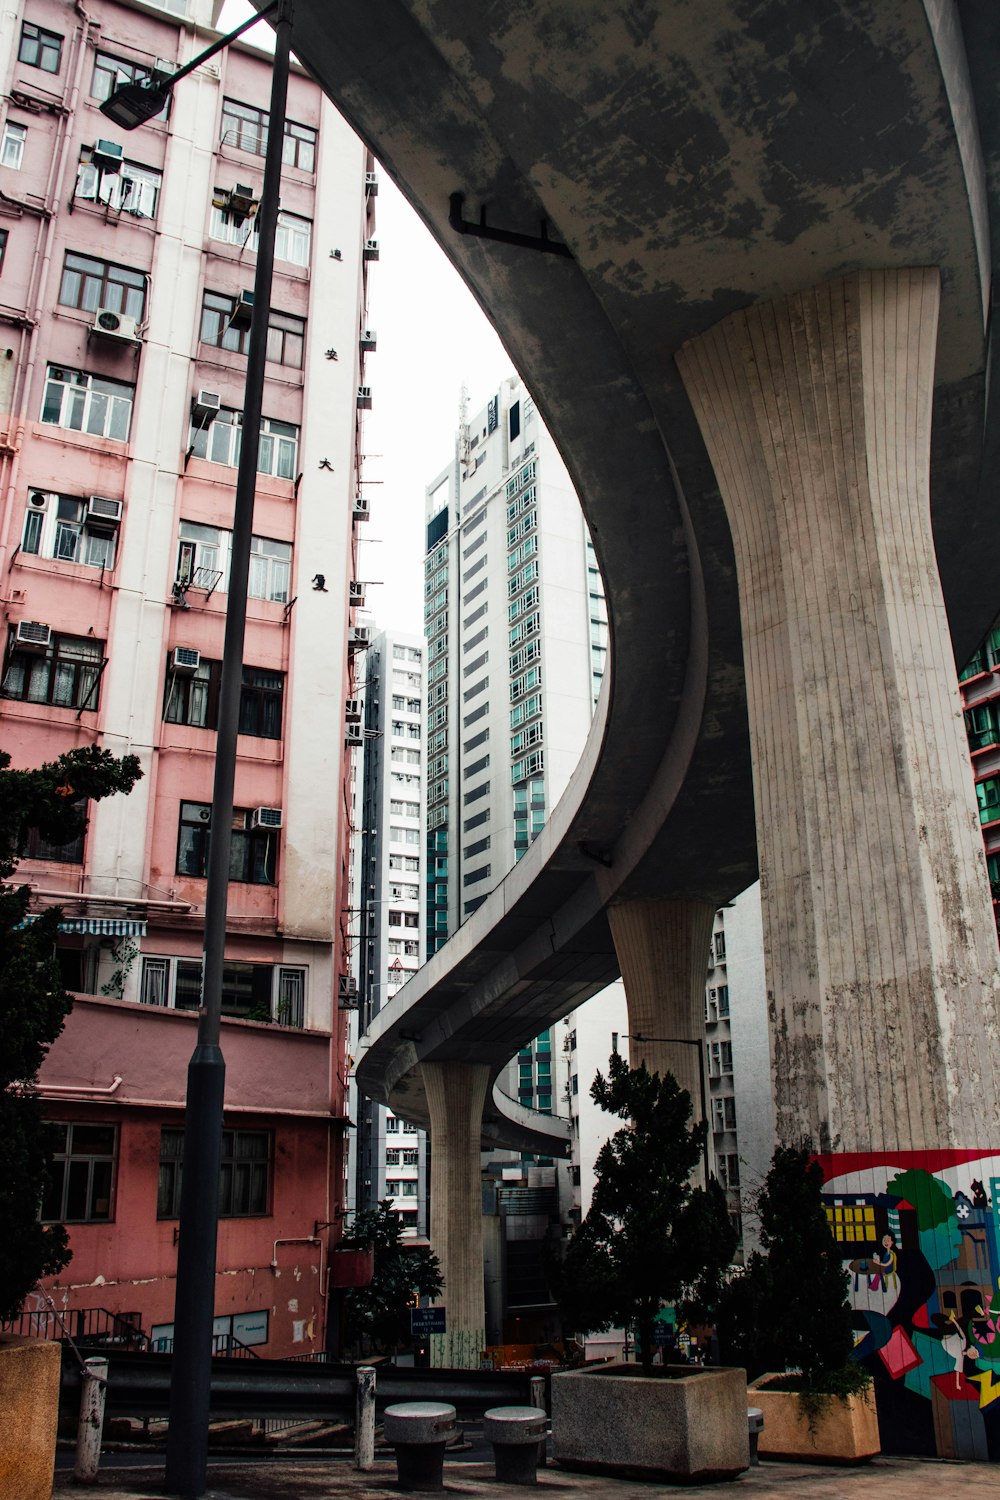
{"points": [[694, 159]]}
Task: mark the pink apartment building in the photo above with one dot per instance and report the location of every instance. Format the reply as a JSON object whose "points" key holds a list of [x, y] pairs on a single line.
{"points": [[122, 362]]}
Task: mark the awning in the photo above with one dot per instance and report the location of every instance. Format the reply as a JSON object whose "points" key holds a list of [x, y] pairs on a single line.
{"points": [[118, 927]]}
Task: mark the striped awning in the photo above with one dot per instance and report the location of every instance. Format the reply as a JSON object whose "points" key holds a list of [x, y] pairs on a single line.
{"points": [[118, 927]]}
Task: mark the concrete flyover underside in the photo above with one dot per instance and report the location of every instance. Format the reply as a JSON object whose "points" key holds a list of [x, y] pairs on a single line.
{"points": [[695, 160]]}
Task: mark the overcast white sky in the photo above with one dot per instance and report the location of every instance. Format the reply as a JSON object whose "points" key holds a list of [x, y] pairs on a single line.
{"points": [[432, 336]]}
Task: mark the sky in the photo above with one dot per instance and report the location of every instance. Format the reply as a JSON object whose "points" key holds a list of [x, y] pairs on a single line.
{"points": [[432, 338]]}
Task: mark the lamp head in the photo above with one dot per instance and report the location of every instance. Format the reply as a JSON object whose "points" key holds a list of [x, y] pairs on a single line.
{"points": [[132, 104]]}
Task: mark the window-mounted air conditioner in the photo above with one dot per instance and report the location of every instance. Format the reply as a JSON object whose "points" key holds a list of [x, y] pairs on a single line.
{"points": [[368, 340], [371, 250], [107, 157], [354, 735], [185, 660], [360, 508], [347, 992], [205, 406], [364, 397], [242, 314], [359, 637], [353, 711], [237, 203], [356, 592], [109, 324], [31, 635], [371, 184], [104, 512], [265, 817]]}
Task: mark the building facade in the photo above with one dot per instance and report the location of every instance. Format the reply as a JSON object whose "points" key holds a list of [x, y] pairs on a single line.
{"points": [[388, 1156], [125, 262]]}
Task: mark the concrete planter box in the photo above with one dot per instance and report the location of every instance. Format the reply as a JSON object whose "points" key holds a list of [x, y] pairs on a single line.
{"points": [[29, 1401], [843, 1431], [682, 1424]]}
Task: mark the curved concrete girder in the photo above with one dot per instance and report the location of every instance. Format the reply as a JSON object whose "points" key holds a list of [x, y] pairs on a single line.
{"points": [[696, 159]]}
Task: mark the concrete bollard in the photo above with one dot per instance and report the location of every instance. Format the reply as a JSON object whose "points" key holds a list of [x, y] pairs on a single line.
{"points": [[419, 1431], [364, 1419], [755, 1426], [538, 1399], [515, 1432], [90, 1429]]}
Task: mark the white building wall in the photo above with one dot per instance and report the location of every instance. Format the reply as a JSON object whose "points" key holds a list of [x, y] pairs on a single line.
{"points": [[751, 1048]]}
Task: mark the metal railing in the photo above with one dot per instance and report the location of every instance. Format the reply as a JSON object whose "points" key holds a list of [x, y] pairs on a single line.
{"points": [[91, 1326]]}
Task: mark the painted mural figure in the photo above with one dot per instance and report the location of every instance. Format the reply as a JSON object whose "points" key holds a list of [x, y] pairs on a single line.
{"points": [[885, 1268]]}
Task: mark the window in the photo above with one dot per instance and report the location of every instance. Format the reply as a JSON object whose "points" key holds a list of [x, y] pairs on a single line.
{"points": [[37, 847], [193, 699], [90, 284], [244, 1174], [285, 334], [3, 246], [729, 1170], [720, 947], [134, 190], [724, 1113], [65, 674], [58, 527], [253, 851], [293, 239], [111, 71], [81, 1176], [39, 49], [87, 403], [203, 562], [12, 145], [246, 128], [255, 992], [721, 1058], [220, 443]]}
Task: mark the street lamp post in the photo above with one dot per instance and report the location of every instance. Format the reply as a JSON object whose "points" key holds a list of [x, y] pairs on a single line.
{"points": [[685, 1041], [194, 1309]]}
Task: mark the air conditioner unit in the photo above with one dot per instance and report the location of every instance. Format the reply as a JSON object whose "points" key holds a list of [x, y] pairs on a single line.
{"points": [[242, 314], [371, 184], [347, 992], [371, 250], [353, 711], [107, 156], [354, 734], [359, 637], [205, 406], [360, 510], [38, 500], [237, 203], [104, 511], [115, 325], [356, 593], [368, 340], [265, 817], [30, 635], [364, 397], [185, 660]]}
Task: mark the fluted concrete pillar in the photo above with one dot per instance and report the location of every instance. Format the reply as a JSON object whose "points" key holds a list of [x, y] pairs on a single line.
{"points": [[662, 948], [879, 942], [456, 1094]]}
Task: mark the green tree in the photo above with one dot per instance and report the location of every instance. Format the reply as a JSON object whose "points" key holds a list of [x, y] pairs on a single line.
{"points": [[650, 1237], [788, 1310], [380, 1311], [34, 1002]]}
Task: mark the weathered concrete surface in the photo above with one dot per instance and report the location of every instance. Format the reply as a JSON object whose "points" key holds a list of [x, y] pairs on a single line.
{"points": [[456, 1093], [883, 1479], [696, 160], [29, 1410], [879, 940], [614, 1420]]}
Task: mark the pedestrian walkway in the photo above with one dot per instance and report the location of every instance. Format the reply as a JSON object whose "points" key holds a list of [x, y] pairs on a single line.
{"points": [[883, 1479]]}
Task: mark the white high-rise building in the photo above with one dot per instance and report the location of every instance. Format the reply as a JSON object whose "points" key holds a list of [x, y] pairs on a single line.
{"points": [[388, 1157]]}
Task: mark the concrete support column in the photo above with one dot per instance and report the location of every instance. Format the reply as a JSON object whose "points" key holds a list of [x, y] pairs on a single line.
{"points": [[880, 947], [662, 948], [456, 1094]]}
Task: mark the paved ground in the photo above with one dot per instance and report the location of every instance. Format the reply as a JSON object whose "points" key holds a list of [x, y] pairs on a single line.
{"points": [[884, 1479]]}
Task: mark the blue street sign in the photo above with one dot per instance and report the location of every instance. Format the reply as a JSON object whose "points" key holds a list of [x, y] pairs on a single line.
{"points": [[425, 1320]]}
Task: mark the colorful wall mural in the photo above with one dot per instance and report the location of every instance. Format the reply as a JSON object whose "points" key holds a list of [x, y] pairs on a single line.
{"points": [[920, 1236]]}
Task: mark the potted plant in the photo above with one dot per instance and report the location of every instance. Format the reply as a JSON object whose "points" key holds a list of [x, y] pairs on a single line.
{"points": [[649, 1238], [788, 1320]]}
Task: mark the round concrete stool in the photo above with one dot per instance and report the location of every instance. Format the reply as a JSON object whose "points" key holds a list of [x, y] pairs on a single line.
{"points": [[755, 1426], [419, 1430], [515, 1432]]}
